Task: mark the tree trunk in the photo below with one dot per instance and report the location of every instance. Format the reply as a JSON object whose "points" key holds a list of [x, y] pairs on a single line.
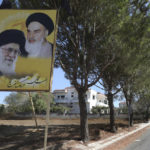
{"points": [[83, 116], [112, 117], [130, 114], [147, 114]]}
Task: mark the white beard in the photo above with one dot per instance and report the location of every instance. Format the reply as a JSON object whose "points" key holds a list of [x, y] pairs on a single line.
{"points": [[34, 49], [6, 67]]}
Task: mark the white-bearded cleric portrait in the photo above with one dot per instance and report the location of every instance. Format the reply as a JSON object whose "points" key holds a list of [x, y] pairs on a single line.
{"points": [[12, 43], [39, 26]]}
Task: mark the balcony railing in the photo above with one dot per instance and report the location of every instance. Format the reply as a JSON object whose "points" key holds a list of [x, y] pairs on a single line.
{"points": [[66, 100]]}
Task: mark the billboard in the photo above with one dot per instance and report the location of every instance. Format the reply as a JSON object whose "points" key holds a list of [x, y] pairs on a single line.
{"points": [[27, 39]]}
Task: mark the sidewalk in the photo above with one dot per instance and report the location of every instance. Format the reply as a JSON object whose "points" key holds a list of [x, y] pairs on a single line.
{"points": [[100, 145]]}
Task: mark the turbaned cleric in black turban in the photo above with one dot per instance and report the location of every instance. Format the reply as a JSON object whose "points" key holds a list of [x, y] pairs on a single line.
{"points": [[39, 26], [12, 44]]}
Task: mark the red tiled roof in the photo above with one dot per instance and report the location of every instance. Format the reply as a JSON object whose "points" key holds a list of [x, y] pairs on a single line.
{"points": [[71, 87], [59, 90], [63, 90], [122, 103]]}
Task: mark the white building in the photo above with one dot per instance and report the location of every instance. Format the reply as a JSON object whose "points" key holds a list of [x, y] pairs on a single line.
{"points": [[122, 104], [69, 98]]}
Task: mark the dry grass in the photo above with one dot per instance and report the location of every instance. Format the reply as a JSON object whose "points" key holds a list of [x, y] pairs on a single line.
{"points": [[22, 134]]}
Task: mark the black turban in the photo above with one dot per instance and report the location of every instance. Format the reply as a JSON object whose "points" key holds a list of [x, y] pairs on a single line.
{"points": [[42, 18], [13, 36]]}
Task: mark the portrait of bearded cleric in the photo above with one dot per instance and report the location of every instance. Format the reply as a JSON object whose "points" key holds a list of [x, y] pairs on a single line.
{"points": [[39, 26], [11, 46]]}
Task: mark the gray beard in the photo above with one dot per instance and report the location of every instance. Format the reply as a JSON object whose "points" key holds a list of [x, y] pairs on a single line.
{"points": [[5, 68], [33, 49]]}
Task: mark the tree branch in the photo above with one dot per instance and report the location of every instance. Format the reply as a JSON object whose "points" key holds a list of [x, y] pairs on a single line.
{"points": [[98, 78], [99, 87]]}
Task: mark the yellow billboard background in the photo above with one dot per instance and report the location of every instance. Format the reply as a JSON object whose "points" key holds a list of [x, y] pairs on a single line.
{"points": [[31, 73]]}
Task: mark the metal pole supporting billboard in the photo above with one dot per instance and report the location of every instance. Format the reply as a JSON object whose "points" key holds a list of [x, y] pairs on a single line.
{"points": [[33, 110]]}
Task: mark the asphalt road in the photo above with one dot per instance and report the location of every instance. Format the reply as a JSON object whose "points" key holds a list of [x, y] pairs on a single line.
{"points": [[142, 143]]}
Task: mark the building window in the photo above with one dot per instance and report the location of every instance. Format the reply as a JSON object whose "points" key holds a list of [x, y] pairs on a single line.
{"points": [[71, 105], [85, 96], [62, 96], [105, 101], [72, 94], [93, 96], [58, 97]]}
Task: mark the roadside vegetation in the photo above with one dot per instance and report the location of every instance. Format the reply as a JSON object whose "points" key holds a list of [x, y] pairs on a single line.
{"points": [[19, 103]]}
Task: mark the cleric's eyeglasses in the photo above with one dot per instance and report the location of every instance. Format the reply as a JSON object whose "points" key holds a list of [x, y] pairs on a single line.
{"points": [[10, 50]]}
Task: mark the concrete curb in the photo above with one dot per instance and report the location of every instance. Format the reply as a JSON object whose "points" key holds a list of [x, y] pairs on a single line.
{"points": [[104, 143]]}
